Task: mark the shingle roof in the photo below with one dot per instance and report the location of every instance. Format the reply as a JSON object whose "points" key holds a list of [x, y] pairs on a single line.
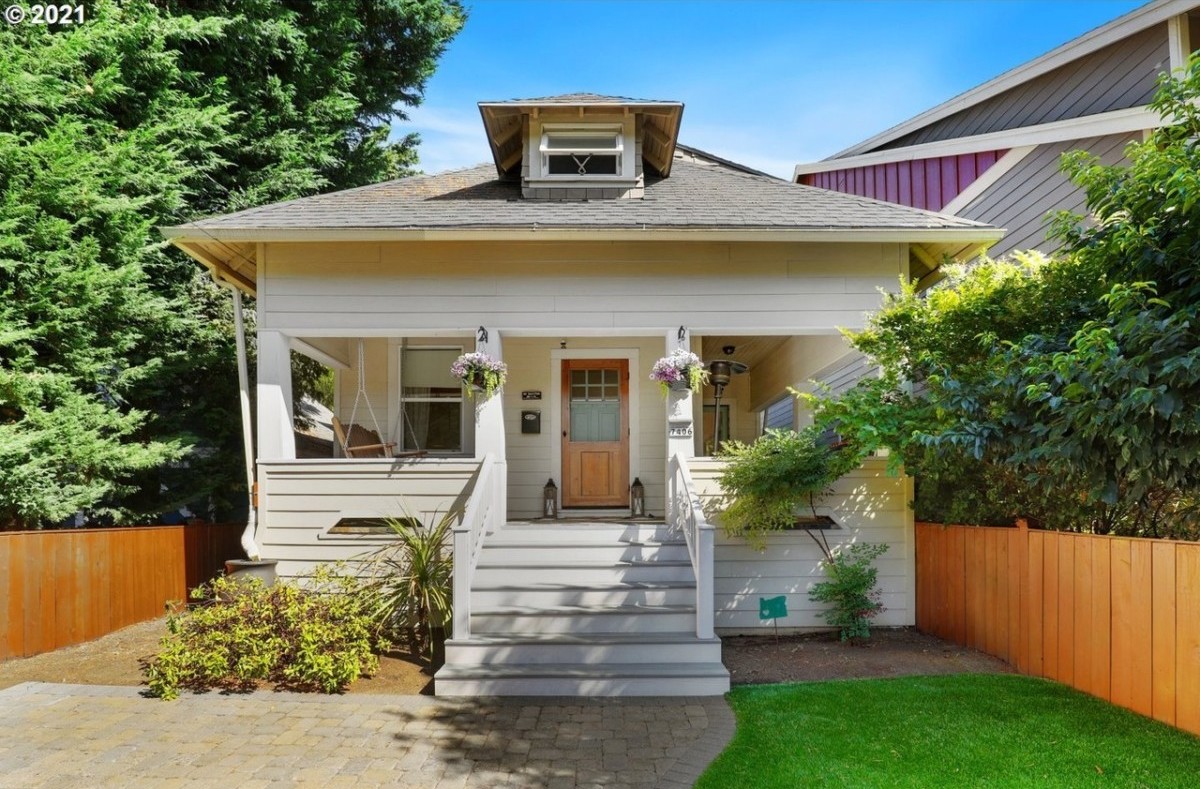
{"points": [[579, 98], [696, 196]]}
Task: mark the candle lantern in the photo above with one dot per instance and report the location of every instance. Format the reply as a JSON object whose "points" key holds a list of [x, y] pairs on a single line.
{"points": [[550, 500], [637, 499]]}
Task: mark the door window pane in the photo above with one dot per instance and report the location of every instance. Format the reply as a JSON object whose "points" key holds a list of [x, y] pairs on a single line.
{"points": [[596, 421], [595, 407]]}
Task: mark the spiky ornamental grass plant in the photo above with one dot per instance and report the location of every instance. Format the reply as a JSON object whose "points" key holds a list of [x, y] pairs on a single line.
{"points": [[409, 582]]}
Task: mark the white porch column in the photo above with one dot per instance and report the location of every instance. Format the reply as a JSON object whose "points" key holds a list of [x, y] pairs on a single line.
{"points": [[489, 423], [680, 430], [276, 439]]}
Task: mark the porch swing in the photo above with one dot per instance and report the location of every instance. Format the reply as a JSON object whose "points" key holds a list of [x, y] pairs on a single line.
{"points": [[358, 441]]}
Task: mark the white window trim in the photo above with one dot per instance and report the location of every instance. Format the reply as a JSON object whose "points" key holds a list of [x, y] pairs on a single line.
{"points": [[624, 160], [467, 441]]}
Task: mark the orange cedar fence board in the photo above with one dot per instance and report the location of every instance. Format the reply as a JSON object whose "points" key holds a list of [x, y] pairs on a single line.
{"points": [[1114, 617], [63, 587], [1163, 648], [1187, 644]]}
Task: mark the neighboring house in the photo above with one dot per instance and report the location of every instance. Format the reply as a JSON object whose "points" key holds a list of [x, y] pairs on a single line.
{"points": [[591, 246], [993, 153]]}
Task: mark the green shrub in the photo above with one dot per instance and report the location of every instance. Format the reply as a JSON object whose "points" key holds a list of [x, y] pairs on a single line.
{"points": [[318, 636], [852, 589]]}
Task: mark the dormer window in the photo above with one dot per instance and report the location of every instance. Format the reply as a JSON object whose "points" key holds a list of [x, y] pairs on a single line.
{"points": [[575, 153], [582, 146]]}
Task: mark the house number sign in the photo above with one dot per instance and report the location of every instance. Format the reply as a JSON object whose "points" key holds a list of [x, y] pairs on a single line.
{"points": [[531, 395], [683, 431]]}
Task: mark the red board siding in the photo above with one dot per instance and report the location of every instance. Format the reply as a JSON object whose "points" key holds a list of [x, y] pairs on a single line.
{"points": [[920, 183]]}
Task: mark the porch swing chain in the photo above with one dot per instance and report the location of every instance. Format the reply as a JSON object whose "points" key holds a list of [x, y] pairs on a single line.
{"points": [[361, 394]]}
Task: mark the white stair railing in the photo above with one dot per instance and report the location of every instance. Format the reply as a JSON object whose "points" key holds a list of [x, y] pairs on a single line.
{"points": [[480, 518], [685, 514]]}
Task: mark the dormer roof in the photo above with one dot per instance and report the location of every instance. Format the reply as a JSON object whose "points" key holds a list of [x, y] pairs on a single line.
{"points": [[503, 122]]}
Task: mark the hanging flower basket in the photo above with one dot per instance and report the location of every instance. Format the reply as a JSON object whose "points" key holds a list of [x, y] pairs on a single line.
{"points": [[480, 373], [679, 371]]}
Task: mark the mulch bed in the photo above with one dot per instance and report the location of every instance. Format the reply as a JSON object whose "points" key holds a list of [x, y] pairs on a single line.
{"points": [[116, 658], [890, 652]]}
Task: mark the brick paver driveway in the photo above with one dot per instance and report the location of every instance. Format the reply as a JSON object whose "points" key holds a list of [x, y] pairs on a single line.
{"points": [[87, 736]]}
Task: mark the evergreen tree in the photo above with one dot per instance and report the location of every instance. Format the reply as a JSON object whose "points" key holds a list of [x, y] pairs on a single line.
{"points": [[100, 137], [117, 379]]}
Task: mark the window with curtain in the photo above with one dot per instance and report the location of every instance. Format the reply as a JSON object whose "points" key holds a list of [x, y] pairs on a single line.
{"points": [[431, 401]]}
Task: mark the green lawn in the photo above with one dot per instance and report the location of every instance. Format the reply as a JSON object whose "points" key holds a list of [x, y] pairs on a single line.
{"points": [[948, 731]]}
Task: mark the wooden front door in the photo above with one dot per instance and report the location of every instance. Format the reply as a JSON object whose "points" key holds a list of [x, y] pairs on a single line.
{"points": [[595, 418]]}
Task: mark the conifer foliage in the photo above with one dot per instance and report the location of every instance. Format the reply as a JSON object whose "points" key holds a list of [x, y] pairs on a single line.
{"points": [[117, 385]]}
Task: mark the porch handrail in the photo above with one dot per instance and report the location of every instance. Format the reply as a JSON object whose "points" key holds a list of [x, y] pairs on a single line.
{"points": [[686, 514], [479, 518]]}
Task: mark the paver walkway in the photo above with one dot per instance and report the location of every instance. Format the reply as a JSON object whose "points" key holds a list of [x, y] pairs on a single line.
{"points": [[89, 736]]}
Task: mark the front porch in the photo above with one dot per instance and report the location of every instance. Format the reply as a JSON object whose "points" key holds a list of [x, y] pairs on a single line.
{"points": [[589, 602], [399, 390]]}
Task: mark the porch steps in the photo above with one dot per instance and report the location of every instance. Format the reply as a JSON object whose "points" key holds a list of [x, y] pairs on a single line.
{"points": [[574, 679], [603, 608]]}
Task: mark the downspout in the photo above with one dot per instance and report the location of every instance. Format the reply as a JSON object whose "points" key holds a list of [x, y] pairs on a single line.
{"points": [[248, 543]]}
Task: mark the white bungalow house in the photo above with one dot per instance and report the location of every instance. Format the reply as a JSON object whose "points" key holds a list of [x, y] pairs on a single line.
{"points": [[589, 248]]}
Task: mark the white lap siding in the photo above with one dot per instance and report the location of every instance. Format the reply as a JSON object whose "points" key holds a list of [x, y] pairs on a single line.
{"points": [[301, 500], [394, 289], [869, 505]]}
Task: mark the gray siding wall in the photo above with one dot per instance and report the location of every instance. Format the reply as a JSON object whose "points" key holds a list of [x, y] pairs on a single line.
{"points": [[842, 375], [1117, 77], [1023, 198]]}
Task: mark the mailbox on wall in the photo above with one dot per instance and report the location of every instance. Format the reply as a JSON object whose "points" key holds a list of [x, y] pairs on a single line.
{"points": [[531, 422]]}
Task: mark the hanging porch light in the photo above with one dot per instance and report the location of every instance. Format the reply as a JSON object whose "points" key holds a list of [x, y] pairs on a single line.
{"points": [[720, 371]]}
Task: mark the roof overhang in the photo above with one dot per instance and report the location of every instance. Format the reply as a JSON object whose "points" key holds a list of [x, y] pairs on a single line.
{"points": [[232, 262], [503, 122], [1135, 21], [231, 253], [1098, 125]]}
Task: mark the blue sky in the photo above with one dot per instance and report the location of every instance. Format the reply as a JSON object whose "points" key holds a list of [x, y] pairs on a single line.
{"points": [[768, 84]]}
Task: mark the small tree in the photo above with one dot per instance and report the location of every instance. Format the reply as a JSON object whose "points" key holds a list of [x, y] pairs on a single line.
{"points": [[767, 483]]}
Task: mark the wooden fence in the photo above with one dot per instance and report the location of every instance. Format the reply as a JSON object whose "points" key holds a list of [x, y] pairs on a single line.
{"points": [[59, 588], [1117, 618]]}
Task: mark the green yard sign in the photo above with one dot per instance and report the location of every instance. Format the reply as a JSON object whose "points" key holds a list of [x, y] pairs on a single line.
{"points": [[772, 607]]}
